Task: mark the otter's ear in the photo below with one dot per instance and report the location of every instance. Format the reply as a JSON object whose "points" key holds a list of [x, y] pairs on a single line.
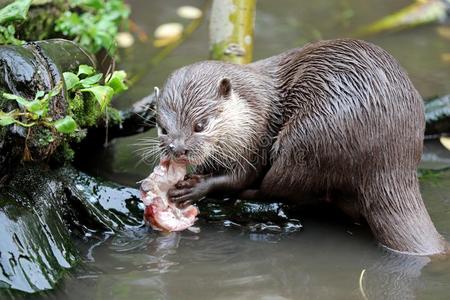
{"points": [[224, 87]]}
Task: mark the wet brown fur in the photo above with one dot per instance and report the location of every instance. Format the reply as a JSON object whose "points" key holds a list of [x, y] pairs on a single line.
{"points": [[334, 117]]}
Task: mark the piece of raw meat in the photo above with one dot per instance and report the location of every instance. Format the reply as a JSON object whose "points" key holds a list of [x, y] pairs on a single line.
{"points": [[160, 213]]}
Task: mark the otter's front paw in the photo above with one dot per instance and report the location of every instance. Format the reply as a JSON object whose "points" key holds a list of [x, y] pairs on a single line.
{"points": [[190, 180], [189, 190]]}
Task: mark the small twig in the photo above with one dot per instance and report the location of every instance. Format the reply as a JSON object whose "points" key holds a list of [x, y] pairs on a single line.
{"points": [[26, 151], [106, 130]]}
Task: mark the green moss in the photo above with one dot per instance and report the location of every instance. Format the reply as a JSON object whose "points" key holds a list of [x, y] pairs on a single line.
{"points": [[40, 21], [64, 153], [42, 137], [76, 107], [114, 115], [76, 104], [85, 109], [91, 111], [67, 152], [78, 135]]}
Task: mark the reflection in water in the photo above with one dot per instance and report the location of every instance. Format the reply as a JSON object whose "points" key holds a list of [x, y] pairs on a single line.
{"points": [[89, 254], [394, 276], [229, 263]]}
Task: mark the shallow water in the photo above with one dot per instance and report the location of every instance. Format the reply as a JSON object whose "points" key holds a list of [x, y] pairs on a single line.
{"points": [[329, 258]]}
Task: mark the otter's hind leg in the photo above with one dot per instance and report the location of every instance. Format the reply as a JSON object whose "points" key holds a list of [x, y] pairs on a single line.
{"points": [[393, 207]]}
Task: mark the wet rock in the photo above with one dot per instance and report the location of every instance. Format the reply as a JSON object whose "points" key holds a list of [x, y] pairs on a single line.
{"points": [[254, 217], [41, 210], [437, 115]]}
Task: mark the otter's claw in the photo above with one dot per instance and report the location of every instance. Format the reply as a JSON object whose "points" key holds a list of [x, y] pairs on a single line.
{"points": [[190, 180], [174, 194], [188, 190], [187, 183], [183, 196], [191, 189]]}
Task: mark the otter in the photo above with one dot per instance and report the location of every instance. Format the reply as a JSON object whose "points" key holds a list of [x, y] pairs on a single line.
{"points": [[338, 118]]}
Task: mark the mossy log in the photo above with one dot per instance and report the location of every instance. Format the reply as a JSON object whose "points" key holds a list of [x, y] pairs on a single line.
{"points": [[39, 66], [25, 70]]}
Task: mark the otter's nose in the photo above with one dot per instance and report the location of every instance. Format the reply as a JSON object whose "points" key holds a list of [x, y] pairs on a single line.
{"points": [[178, 149]]}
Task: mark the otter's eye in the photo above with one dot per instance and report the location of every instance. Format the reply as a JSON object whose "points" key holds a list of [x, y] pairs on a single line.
{"points": [[163, 130], [199, 127]]}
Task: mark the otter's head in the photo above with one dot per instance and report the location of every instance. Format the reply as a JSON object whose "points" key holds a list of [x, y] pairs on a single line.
{"points": [[201, 117]]}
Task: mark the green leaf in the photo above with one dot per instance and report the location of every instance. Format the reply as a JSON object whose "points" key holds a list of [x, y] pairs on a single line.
{"points": [[16, 11], [66, 125], [19, 99], [36, 106], [97, 4], [93, 23], [103, 94], [117, 81], [89, 81], [39, 94], [71, 80], [56, 90], [6, 119], [7, 35], [85, 70]]}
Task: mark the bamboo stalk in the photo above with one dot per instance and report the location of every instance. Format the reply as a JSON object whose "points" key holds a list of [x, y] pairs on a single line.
{"points": [[231, 30]]}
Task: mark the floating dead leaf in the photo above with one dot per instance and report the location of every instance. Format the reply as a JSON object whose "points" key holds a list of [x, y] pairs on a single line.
{"points": [[167, 34], [158, 43], [189, 12], [445, 141], [445, 57], [124, 39], [168, 30], [444, 31]]}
